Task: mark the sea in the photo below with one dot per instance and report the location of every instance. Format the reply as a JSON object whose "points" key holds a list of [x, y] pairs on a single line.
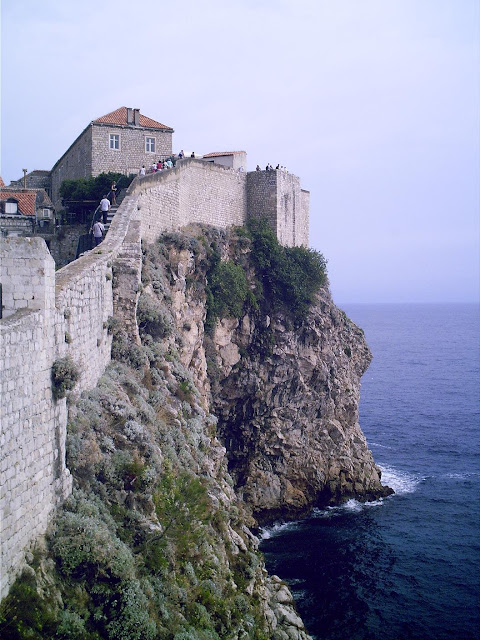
{"points": [[407, 566]]}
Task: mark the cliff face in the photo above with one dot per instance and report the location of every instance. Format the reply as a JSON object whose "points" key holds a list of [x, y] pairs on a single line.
{"points": [[286, 396], [289, 420]]}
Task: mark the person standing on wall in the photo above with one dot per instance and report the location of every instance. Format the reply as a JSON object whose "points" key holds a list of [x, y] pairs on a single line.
{"points": [[113, 190], [105, 208], [98, 230]]}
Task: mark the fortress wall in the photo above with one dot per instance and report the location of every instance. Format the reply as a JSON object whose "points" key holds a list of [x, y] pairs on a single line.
{"points": [[194, 191], [288, 207], [73, 307], [262, 196], [33, 476], [303, 221], [278, 197]]}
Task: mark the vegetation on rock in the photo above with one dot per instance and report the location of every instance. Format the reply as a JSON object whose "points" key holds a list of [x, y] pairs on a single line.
{"points": [[65, 375]]}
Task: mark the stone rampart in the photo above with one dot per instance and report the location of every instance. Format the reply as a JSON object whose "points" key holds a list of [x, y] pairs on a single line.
{"points": [[194, 191], [278, 197], [50, 315], [33, 476]]}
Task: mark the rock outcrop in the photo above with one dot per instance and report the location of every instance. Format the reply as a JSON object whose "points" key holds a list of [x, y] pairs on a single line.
{"points": [[286, 396]]}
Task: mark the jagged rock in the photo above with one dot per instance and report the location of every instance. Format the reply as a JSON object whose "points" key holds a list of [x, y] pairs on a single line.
{"points": [[288, 417]]}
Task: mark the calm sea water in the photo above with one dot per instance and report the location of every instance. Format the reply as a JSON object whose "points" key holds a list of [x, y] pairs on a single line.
{"points": [[407, 567]]}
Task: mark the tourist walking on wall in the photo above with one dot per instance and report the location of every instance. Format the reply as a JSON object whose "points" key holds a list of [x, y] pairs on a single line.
{"points": [[105, 208], [142, 170], [113, 190], [98, 230], [192, 154]]}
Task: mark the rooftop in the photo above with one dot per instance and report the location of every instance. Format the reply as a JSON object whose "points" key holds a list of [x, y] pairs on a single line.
{"points": [[119, 117], [25, 199], [217, 154]]}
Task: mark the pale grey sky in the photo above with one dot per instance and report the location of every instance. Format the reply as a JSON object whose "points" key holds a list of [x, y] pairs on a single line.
{"points": [[373, 103]]}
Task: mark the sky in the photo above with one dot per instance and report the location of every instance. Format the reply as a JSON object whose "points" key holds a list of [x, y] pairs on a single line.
{"points": [[375, 104]]}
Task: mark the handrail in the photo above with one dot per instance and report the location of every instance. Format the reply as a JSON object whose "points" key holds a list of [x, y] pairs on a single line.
{"points": [[93, 218]]}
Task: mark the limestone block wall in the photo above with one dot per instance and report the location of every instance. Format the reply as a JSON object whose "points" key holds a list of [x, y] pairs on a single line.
{"points": [[76, 162], [131, 155], [33, 476], [194, 191], [52, 315], [277, 196], [27, 274], [303, 221]]}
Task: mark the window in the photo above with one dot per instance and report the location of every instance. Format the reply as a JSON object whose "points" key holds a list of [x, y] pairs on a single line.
{"points": [[114, 141], [47, 213], [150, 145], [11, 206]]}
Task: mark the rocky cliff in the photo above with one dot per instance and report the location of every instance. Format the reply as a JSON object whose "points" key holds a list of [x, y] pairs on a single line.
{"points": [[234, 404], [286, 393]]}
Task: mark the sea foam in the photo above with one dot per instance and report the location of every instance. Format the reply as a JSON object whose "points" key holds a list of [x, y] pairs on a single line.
{"points": [[400, 481]]}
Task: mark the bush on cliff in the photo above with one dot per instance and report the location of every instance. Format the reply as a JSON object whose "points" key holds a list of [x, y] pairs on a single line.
{"points": [[290, 276], [227, 290], [65, 375]]}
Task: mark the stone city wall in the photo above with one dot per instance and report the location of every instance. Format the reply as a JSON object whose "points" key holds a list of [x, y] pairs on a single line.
{"points": [[50, 315], [33, 476], [278, 197], [194, 191]]}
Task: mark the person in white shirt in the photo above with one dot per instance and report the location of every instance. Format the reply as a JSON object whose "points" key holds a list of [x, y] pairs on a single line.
{"points": [[105, 208], [142, 170]]}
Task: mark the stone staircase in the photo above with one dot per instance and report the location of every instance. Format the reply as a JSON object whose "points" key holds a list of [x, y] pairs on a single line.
{"points": [[113, 209]]}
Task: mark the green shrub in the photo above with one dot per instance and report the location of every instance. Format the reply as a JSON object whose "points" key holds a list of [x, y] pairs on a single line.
{"points": [[92, 188], [227, 291], [182, 505], [24, 614], [290, 276], [153, 318], [65, 375]]}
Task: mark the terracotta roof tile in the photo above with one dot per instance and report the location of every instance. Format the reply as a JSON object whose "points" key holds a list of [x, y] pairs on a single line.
{"points": [[25, 199], [216, 154], [120, 117]]}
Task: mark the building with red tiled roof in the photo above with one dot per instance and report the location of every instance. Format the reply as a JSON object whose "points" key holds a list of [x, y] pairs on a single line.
{"points": [[24, 212], [120, 141], [232, 159]]}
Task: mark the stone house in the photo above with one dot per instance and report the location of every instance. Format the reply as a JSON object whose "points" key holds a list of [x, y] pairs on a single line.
{"points": [[121, 141], [37, 179], [25, 212]]}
